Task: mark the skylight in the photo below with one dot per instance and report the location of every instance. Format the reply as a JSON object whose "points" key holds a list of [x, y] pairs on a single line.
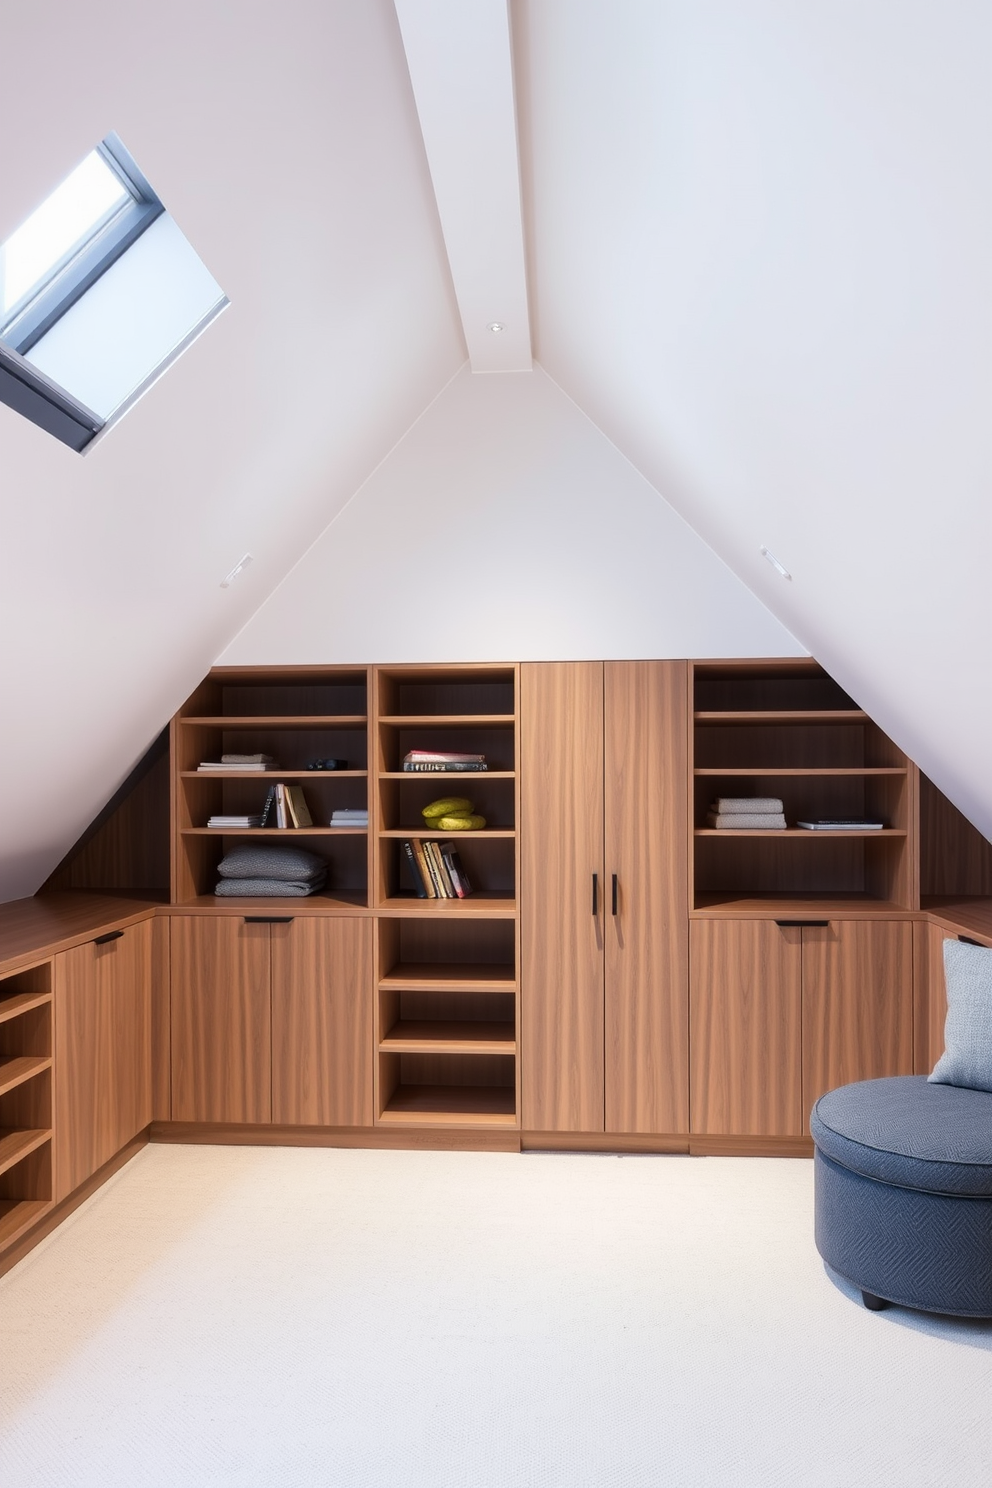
{"points": [[99, 294], [76, 211]]}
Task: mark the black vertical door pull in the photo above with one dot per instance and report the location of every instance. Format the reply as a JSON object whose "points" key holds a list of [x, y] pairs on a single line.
{"points": [[615, 890], [595, 894]]}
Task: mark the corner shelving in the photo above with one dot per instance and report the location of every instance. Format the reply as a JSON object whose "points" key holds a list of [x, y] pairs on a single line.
{"points": [[296, 715], [25, 1099], [785, 729]]}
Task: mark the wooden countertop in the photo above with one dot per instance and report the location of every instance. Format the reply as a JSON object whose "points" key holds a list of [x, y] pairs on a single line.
{"points": [[31, 929]]}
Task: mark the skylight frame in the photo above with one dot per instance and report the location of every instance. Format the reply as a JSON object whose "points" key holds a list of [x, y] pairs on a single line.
{"points": [[60, 290]]}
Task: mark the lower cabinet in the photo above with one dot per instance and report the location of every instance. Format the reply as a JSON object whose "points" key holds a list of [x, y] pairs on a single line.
{"points": [[781, 1012], [271, 1020], [102, 1051]]}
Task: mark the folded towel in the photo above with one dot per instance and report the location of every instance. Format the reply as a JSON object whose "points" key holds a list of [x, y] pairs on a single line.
{"points": [[747, 806], [267, 888], [739, 822], [286, 863]]}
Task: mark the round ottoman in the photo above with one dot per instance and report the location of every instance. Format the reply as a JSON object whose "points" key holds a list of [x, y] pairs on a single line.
{"points": [[903, 1182]]}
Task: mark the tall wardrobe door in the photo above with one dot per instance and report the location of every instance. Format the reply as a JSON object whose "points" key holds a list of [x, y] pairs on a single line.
{"points": [[561, 940], [647, 913]]}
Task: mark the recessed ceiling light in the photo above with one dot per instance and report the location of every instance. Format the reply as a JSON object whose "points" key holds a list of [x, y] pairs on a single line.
{"points": [[778, 567], [496, 325], [238, 568]]}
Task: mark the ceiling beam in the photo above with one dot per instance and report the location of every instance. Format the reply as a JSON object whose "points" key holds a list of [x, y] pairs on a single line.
{"points": [[461, 69]]}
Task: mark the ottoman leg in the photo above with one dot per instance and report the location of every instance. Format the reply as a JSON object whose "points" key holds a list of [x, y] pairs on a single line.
{"points": [[873, 1303]]}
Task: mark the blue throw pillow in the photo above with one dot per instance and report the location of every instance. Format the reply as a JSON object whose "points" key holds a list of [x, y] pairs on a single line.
{"points": [[967, 1056]]}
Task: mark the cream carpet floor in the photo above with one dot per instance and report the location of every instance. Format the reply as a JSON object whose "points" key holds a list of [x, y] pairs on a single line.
{"points": [[262, 1316]]}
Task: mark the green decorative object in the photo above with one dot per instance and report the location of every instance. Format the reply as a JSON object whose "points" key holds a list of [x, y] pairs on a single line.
{"points": [[459, 823], [448, 806]]}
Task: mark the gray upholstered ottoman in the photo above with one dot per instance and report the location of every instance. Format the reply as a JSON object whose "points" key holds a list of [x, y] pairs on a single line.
{"points": [[903, 1177]]}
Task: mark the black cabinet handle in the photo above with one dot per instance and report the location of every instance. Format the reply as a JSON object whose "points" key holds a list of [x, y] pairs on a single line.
{"points": [[615, 890], [967, 940], [110, 935], [595, 894], [269, 919], [797, 924]]}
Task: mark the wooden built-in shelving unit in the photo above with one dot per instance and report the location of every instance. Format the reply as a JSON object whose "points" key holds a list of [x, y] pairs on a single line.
{"points": [[296, 715], [25, 1099], [446, 993], [785, 729]]}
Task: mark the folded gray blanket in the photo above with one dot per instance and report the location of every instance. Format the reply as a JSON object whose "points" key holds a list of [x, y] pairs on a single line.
{"points": [[286, 863], [738, 822], [747, 806], [266, 888]]}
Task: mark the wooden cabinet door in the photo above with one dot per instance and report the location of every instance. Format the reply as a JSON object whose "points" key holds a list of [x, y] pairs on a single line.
{"points": [[322, 1022], [647, 951], [857, 1004], [102, 1076], [221, 1026], [561, 939], [929, 994], [745, 994], [130, 1016]]}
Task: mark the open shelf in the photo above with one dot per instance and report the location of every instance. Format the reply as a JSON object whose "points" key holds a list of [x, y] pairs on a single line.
{"points": [[21, 1002], [274, 721], [16, 1144], [435, 1036], [820, 836], [16, 1069], [451, 1105], [18, 1215], [479, 905], [275, 833], [785, 730], [441, 976], [25, 1099], [778, 905], [783, 715]]}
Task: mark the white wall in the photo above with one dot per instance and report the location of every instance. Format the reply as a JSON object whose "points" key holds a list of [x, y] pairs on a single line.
{"points": [[761, 239], [505, 526], [284, 141]]}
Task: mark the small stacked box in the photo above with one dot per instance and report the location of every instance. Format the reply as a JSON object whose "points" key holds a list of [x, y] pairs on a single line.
{"points": [[747, 814], [270, 872]]}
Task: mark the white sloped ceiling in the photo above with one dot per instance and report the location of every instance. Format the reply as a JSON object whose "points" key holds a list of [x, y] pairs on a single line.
{"points": [[284, 141], [761, 261], [505, 526]]}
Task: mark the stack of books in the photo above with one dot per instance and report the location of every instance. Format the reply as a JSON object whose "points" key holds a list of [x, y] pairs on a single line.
{"points": [[230, 823], [248, 762], [441, 761], [285, 807], [347, 816], [436, 870]]}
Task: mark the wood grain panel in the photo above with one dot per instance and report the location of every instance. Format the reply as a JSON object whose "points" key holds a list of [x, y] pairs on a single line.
{"points": [[102, 1052], [954, 856], [857, 1004], [161, 1026], [322, 1036], [929, 995], [647, 942], [561, 941], [745, 1028], [221, 1026], [131, 1013]]}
